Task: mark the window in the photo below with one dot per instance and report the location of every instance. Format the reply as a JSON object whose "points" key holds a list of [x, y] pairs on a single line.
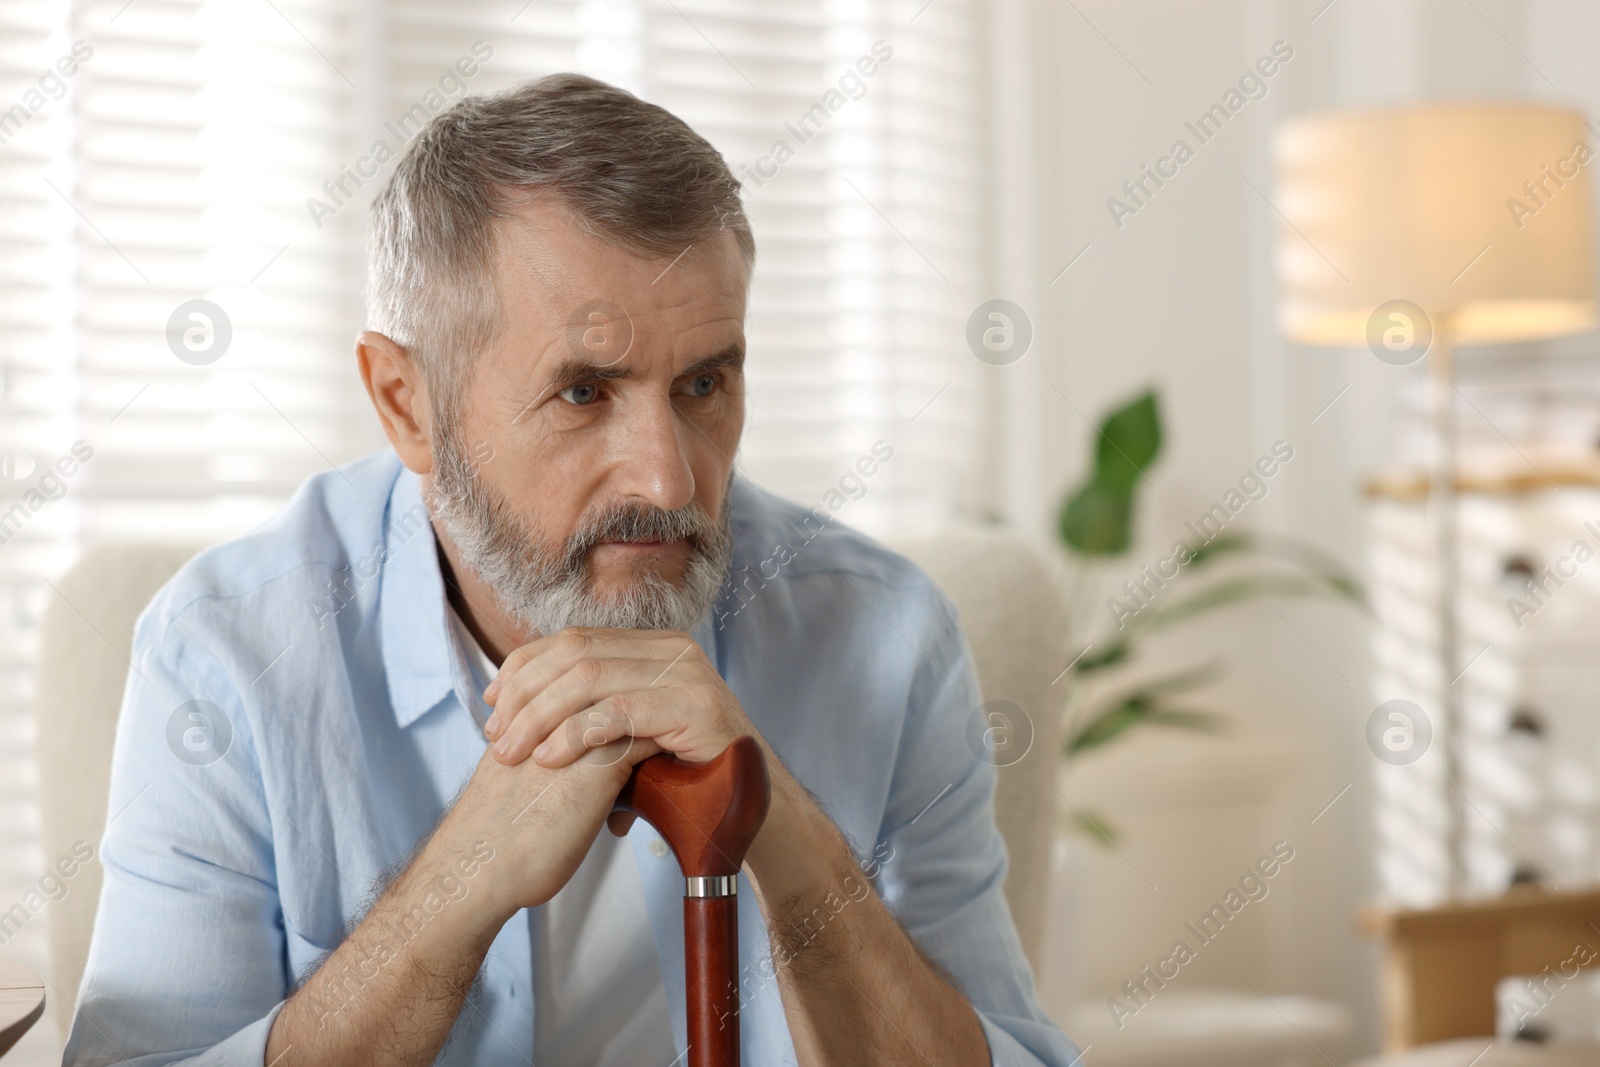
{"points": [[154, 153]]}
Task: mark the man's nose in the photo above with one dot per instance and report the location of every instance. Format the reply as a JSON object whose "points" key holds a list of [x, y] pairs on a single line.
{"points": [[654, 464]]}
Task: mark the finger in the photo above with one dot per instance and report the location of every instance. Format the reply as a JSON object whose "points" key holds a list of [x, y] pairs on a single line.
{"points": [[579, 640], [641, 749], [577, 736], [588, 683], [672, 718], [620, 822], [529, 669], [536, 666]]}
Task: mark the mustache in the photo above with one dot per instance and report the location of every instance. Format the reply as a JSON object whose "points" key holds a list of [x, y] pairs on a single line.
{"points": [[643, 522]]}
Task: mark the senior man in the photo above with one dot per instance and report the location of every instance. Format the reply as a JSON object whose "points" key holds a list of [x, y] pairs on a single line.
{"points": [[367, 749]]}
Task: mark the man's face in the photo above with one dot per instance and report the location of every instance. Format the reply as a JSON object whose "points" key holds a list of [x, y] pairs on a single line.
{"points": [[586, 482]]}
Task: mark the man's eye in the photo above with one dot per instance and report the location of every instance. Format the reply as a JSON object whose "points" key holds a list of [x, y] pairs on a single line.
{"points": [[584, 393], [703, 385]]}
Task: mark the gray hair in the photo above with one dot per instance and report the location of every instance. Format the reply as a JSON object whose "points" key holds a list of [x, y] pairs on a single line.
{"points": [[633, 172]]}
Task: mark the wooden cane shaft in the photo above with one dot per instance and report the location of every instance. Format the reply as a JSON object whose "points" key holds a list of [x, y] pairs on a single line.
{"points": [[711, 967]]}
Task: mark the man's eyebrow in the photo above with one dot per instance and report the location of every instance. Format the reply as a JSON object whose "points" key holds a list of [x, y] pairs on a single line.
{"points": [[732, 356], [572, 372]]}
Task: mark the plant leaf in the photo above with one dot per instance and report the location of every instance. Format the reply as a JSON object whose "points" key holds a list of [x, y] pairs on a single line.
{"points": [[1202, 721], [1142, 703], [1105, 726], [1130, 438], [1116, 652], [1111, 723], [1232, 591], [1291, 549], [1097, 520], [1094, 825], [1176, 682]]}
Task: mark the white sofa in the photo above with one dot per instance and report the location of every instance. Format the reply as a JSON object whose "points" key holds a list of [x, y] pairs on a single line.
{"points": [[1004, 587]]}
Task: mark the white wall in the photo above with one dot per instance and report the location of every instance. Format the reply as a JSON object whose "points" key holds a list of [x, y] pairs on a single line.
{"points": [[1182, 296]]}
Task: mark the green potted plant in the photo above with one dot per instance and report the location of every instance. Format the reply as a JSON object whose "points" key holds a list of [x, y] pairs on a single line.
{"points": [[1096, 526]]}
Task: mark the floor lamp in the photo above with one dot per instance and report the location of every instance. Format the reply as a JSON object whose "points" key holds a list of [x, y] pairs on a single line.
{"points": [[1414, 230]]}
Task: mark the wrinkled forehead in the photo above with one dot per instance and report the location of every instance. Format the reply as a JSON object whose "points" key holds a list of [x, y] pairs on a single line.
{"points": [[564, 292], [544, 253]]}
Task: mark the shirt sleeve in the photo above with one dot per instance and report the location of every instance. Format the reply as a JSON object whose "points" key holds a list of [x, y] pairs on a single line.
{"points": [[187, 963], [941, 860]]}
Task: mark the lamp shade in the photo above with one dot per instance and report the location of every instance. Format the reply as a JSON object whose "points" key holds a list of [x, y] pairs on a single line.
{"points": [[1479, 213]]}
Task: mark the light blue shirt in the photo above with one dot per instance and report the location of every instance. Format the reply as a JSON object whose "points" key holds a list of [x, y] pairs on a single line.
{"points": [[338, 717]]}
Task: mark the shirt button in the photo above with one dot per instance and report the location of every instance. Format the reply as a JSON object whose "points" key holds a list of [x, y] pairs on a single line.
{"points": [[658, 848]]}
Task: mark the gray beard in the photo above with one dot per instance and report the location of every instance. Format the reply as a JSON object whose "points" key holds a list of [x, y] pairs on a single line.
{"points": [[547, 590]]}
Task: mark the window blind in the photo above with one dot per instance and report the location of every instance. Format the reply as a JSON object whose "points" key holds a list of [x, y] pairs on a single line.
{"points": [[180, 245], [36, 416]]}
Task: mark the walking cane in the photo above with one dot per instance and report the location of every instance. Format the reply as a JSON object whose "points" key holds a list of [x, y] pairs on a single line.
{"points": [[708, 813]]}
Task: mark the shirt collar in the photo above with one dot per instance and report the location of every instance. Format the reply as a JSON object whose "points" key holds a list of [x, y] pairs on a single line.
{"points": [[473, 668], [420, 655], [423, 657]]}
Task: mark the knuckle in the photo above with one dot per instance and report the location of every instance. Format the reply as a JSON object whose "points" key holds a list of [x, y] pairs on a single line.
{"points": [[599, 729], [515, 663], [520, 682], [516, 731], [572, 731], [510, 695], [510, 703], [615, 712]]}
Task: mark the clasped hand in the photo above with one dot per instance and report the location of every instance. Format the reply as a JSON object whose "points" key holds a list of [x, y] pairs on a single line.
{"points": [[558, 697]]}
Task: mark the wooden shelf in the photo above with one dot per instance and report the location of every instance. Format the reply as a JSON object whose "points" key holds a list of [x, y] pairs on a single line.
{"points": [[1513, 477], [1441, 964]]}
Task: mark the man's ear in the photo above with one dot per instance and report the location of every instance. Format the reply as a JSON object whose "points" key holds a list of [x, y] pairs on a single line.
{"points": [[400, 396]]}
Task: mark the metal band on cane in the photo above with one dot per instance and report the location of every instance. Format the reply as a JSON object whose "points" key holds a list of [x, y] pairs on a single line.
{"points": [[722, 885]]}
